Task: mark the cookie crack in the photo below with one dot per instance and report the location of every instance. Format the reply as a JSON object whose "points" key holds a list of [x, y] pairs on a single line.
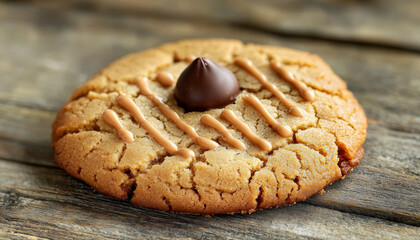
{"points": [[260, 199], [90, 127], [167, 202], [316, 115], [346, 121], [122, 152], [193, 183], [273, 170], [130, 192], [314, 87], [156, 161], [296, 179], [131, 184], [94, 147]]}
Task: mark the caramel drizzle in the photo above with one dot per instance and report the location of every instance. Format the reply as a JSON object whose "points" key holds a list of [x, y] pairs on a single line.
{"points": [[229, 116], [247, 65], [283, 130], [165, 79], [127, 103], [210, 121], [304, 92], [203, 142], [111, 118]]}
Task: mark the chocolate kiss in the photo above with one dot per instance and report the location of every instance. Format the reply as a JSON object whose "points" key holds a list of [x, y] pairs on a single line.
{"points": [[205, 85]]}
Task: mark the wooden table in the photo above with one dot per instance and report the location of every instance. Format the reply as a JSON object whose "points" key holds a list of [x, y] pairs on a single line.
{"points": [[47, 48]]}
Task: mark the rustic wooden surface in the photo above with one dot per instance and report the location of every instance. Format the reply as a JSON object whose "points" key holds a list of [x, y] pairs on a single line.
{"points": [[47, 48]]}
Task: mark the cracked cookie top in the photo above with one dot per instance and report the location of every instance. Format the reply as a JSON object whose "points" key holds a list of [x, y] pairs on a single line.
{"points": [[293, 129]]}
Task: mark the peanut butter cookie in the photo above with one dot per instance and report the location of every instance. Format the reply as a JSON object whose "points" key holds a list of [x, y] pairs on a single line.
{"points": [[211, 126]]}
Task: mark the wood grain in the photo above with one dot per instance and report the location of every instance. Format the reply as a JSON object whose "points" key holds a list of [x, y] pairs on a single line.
{"points": [[387, 22], [48, 49], [375, 192], [49, 202]]}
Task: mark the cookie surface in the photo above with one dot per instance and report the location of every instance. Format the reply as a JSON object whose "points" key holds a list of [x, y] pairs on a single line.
{"points": [[251, 162]]}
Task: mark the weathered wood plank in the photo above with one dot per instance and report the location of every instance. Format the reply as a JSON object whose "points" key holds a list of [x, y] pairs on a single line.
{"points": [[390, 195], [391, 103], [50, 203], [52, 69], [391, 149], [26, 124], [26, 152], [386, 22]]}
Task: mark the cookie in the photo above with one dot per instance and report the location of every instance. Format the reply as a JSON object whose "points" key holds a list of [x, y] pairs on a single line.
{"points": [[211, 126]]}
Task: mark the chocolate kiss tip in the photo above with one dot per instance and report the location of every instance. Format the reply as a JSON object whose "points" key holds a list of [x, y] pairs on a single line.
{"points": [[205, 85]]}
